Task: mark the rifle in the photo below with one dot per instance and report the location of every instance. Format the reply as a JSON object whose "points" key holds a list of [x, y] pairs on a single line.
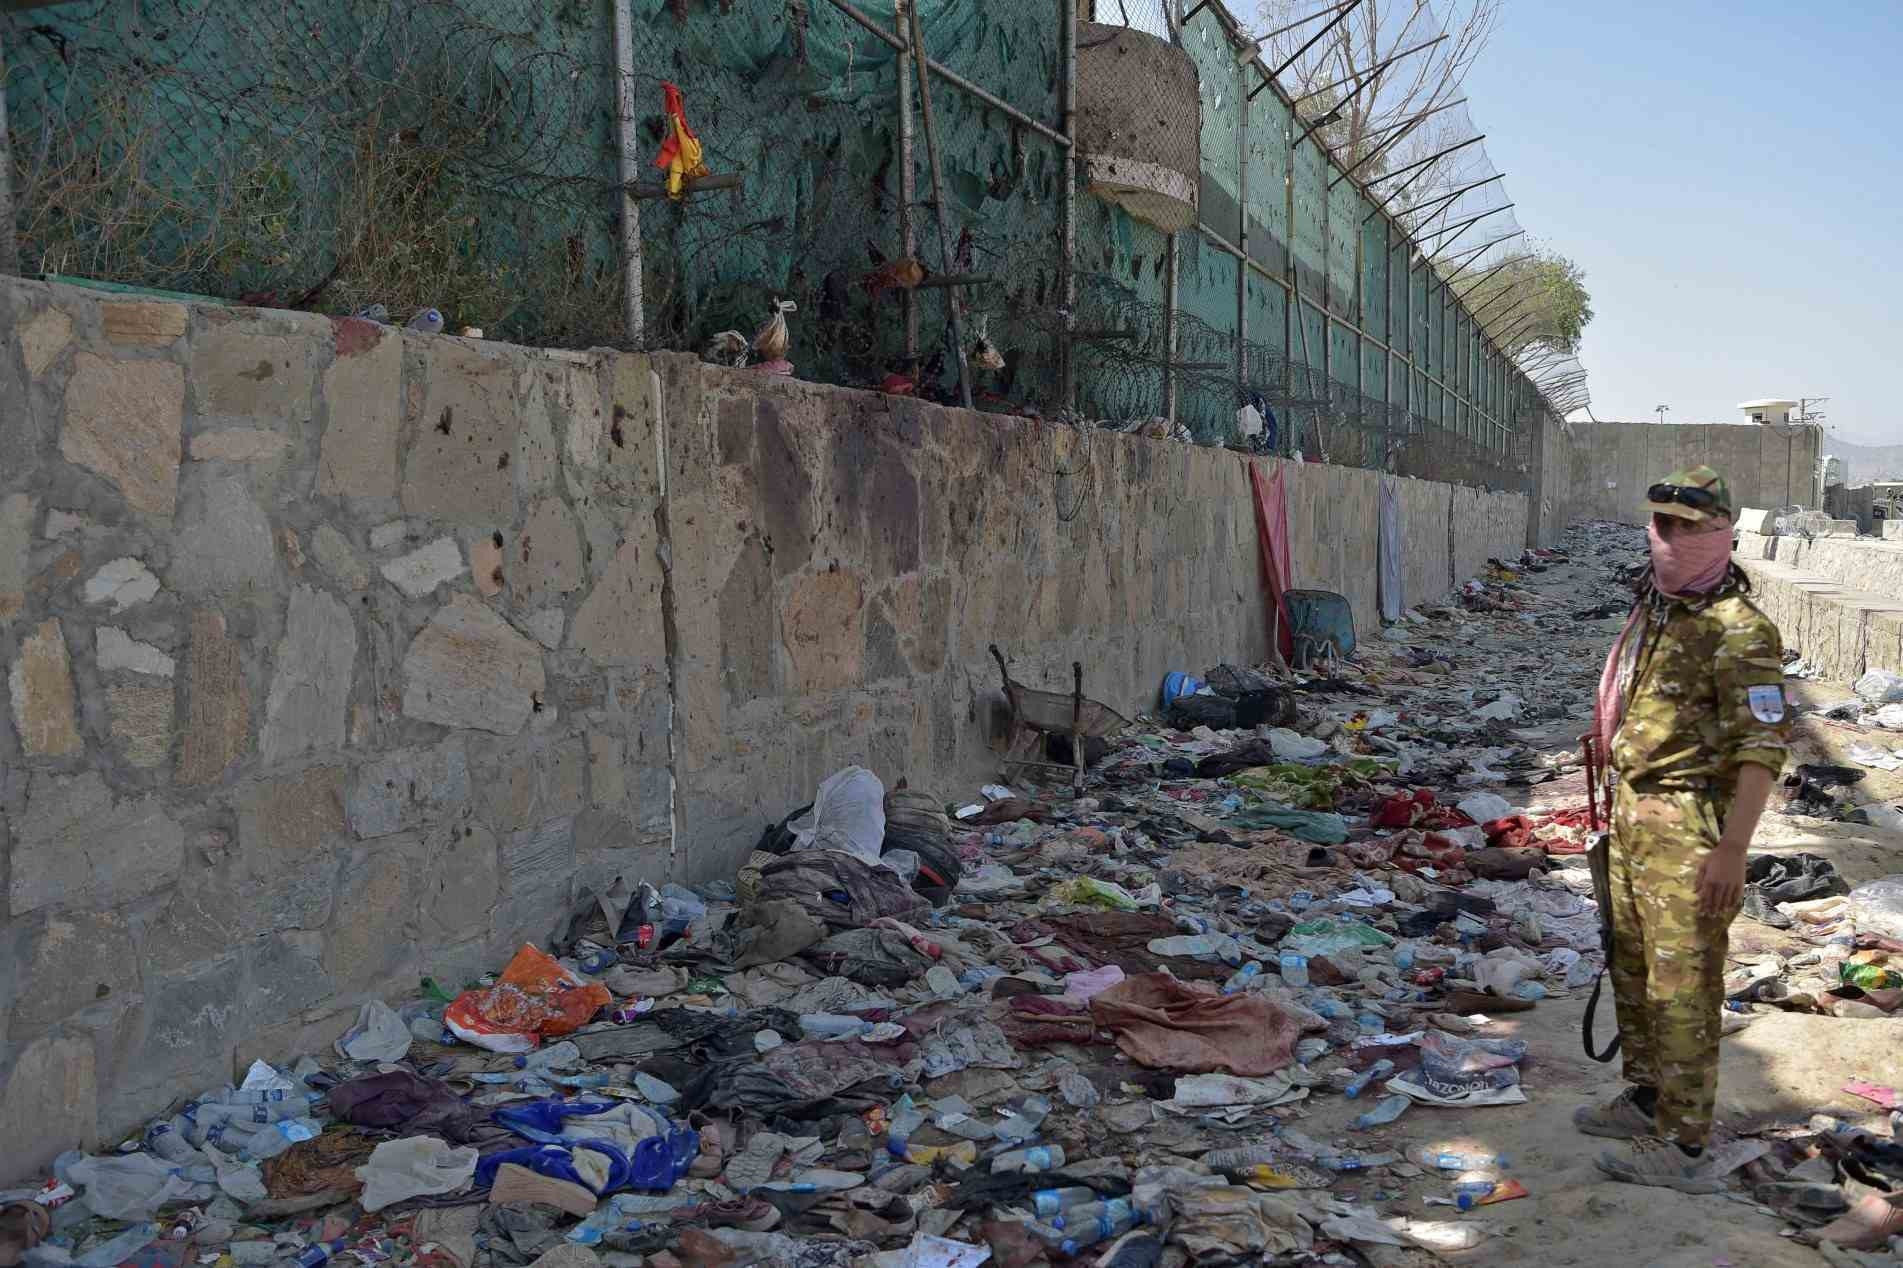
{"points": [[1599, 860]]}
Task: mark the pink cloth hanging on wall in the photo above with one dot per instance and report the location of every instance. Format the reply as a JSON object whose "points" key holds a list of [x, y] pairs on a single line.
{"points": [[1271, 523]]}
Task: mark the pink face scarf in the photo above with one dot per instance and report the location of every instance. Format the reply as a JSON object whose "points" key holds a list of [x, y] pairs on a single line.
{"points": [[1687, 564]]}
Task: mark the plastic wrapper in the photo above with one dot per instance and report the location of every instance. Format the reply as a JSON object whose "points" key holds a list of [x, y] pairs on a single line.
{"points": [[379, 1035], [418, 1166], [535, 998], [848, 814], [1878, 906]]}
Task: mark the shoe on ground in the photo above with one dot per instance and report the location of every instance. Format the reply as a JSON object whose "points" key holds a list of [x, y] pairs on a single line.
{"points": [[1869, 1225], [1620, 1118], [1649, 1160]]}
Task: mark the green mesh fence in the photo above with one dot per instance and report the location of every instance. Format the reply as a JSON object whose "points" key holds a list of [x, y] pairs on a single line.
{"points": [[463, 154]]}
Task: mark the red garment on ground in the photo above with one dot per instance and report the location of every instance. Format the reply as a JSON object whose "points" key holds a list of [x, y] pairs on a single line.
{"points": [[1419, 809], [1159, 1021], [1511, 832]]}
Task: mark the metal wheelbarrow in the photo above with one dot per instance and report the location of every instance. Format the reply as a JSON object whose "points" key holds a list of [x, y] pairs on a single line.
{"points": [[1036, 713], [1322, 626]]}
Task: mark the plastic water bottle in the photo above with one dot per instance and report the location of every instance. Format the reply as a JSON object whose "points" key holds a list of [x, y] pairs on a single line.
{"points": [[1404, 957], [1077, 1234], [273, 1140], [166, 1140], [1240, 979], [1359, 1084], [1035, 1158], [1242, 1157], [832, 1025], [1385, 1111], [1294, 969], [556, 1056], [318, 1253], [1080, 1221], [1049, 1202], [1470, 1193], [1449, 1160]]}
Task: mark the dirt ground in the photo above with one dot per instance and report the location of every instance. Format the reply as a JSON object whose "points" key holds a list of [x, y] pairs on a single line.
{"points": [[1781, 1067]]}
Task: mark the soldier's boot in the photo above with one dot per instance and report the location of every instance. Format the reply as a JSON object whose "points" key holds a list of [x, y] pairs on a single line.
{"points": [[1625, 1116], [1649, 1160]]}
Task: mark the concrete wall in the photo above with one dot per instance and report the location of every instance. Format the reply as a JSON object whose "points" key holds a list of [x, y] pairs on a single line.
{"points": [[338, 655], [1600, 471]]}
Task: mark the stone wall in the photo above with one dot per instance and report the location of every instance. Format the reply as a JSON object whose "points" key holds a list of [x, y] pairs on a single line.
{"points": [[1600, 471], [338, 655], [1837, 601]]}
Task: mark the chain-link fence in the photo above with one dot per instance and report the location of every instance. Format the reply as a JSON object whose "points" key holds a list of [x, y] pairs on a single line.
{"points": [[473, 156], [465, 155]]}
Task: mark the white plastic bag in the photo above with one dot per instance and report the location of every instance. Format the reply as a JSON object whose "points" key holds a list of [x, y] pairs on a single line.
{"points": [[848, 814], [1485, 807], [416, 1166], [129, 1186], [1292, 746], [1880, 686], [1878, 906], [379, 1035], [1505, 709], [241, 1181]]}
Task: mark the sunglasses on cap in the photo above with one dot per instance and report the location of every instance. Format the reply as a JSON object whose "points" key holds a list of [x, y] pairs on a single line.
{"points": [[1683, 494]]}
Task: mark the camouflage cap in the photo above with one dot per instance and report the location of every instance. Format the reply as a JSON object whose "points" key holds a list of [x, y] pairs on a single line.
{"points": [[1700, 478]]}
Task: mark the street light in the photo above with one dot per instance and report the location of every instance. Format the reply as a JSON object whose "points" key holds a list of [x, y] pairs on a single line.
{"points": [[1660, 411]]}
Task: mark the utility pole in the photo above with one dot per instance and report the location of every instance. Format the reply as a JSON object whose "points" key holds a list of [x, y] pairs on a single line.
{"points": [[1660, 411], [1811, 417]]}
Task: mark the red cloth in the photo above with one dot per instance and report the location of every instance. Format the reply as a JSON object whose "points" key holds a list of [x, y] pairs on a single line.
{"points": [[1159, 1021], [1511, 831], [1271, 524], [1401, 810]]}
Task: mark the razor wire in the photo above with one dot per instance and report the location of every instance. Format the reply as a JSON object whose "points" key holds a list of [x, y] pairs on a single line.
{"points": [[396, 155], [344, 155]]}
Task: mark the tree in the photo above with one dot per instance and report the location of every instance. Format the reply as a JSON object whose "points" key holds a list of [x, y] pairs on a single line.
{"points": [[1379, 107], [1539, 301]]}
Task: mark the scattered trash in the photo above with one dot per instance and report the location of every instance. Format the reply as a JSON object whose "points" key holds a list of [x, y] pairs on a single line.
{"points": [[1052, 1017]]}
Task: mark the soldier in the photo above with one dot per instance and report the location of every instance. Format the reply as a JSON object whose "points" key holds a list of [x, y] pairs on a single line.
{"points": [[1691, 708]]}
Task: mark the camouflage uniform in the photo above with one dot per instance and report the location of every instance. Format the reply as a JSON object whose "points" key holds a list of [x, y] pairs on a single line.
{"points": [[1704, 696]]}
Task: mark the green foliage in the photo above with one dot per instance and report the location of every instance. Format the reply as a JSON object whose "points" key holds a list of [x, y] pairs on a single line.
{"points": [[1549, 305]]}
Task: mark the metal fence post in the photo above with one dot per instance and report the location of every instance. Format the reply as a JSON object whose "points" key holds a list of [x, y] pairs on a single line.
{"points": [[1067, 39], [9, 246], [634, 316], [908, 189], [1242, 235]]}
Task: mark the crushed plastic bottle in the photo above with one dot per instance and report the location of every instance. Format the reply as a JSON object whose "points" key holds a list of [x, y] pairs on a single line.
{"points": [[1200, 946], [1359, 1084], [1453, 1160], [1240, 979], [1385, 1111], [1049, 1202], [1470, 1193], [1294, 969], [833, 1026], [556, 1056], [1115, 1219], [1035, 1158], [318, 1253]]}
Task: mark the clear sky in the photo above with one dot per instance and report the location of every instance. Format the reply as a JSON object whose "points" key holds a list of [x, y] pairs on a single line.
{"points": [[1730, 178]]}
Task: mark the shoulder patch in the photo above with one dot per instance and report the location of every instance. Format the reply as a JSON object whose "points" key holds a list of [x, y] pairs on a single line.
{"points": [[1767, 702]]}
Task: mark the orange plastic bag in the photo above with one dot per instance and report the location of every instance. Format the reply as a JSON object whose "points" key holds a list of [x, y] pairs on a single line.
{"points": [[534, 998]]}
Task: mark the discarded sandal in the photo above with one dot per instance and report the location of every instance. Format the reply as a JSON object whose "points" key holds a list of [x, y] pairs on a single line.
{"points": [[23, 1225], [1869, 1225]]}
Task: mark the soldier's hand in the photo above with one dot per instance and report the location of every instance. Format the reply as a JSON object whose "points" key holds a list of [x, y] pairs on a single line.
{"points": [[1721, 881]]}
